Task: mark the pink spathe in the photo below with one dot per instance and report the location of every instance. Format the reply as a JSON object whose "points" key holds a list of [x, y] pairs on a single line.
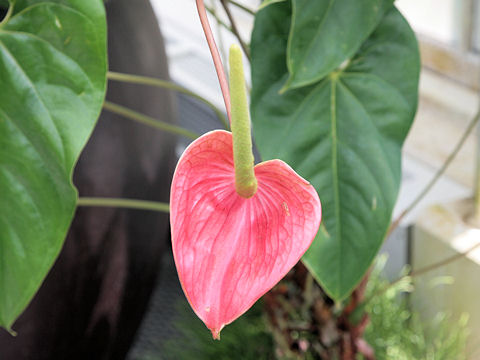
{"points": [[229, 251]]}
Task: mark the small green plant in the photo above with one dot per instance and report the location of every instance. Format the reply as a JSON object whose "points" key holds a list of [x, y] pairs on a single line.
{"points": [[396, 332]]}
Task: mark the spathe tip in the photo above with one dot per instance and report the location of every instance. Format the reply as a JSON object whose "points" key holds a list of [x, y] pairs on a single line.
{"points": [[216, 332]]}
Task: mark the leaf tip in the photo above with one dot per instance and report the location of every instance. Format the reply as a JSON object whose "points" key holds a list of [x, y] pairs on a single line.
{"points": [[290, 84], [284, 89], [10, 330], [265, 3]]}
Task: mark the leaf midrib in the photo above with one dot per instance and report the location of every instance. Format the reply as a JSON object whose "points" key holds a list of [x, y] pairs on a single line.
{"points": [[336, 193]]}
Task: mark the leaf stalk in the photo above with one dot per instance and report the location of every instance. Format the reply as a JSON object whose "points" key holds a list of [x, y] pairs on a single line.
{"points": [[147, 120], [150, 81], [123, 203]]}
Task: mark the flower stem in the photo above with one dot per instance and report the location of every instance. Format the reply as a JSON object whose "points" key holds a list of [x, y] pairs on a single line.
{"points": [[150, 81], [147, 120], [123, 203], [215, 55], [425, 270], [245, 181]]}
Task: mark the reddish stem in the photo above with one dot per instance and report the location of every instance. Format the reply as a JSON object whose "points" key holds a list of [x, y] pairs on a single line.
{"points": [[365, 349], [215, 56], [353, 342]]}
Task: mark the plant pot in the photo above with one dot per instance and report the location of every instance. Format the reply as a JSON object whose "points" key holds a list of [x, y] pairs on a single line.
{"points": [[441, 232]]}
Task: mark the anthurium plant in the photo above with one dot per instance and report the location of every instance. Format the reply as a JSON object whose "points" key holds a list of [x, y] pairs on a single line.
{"points": [[267, 216], [334, 93]]}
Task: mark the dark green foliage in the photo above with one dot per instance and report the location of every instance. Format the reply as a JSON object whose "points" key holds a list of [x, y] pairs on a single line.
{"points": [[343, 133], [52, 83], [245, 339], [326, 33]]}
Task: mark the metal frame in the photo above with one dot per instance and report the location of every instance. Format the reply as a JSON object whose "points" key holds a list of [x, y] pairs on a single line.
{"points": [[459, 61], [460, 66], [476, 27], [464, 21]]}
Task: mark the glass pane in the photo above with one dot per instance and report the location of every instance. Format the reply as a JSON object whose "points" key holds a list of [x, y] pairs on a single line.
{"points": [[432, 18]]}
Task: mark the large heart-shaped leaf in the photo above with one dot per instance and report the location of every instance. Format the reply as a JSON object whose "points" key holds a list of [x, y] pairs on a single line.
{"points": [[325, 33], [343, 134], [52, 84]]}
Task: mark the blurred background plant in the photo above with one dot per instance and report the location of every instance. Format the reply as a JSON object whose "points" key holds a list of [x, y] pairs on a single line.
{"points": [[398, 332], [394, 331]]}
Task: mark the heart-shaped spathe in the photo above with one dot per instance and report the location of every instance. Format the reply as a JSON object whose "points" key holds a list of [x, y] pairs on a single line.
{"points": [[228, 250]]}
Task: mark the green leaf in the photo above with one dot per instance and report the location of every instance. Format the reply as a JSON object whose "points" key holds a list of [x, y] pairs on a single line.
{"points": [[268, 2], [52, 80], [326, 33], [344, 134]]}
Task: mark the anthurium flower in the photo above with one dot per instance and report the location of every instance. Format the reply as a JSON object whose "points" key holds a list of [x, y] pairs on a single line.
{"points": [[236, 229]]}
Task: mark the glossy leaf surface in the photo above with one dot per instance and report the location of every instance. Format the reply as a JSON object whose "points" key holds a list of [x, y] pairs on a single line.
{"points": [[52, 84], [326, 33], [229, 250], [343, 133]]}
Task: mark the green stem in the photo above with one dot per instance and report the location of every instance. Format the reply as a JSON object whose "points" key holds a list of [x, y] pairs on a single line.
{"points": [[235, 29], [241, 6], [221, 42], [219, 21], [437, 176], [147, 120], [476, 185], [8, 15], [123, 203], [245, 180], [424, 270], [145, 80]]}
